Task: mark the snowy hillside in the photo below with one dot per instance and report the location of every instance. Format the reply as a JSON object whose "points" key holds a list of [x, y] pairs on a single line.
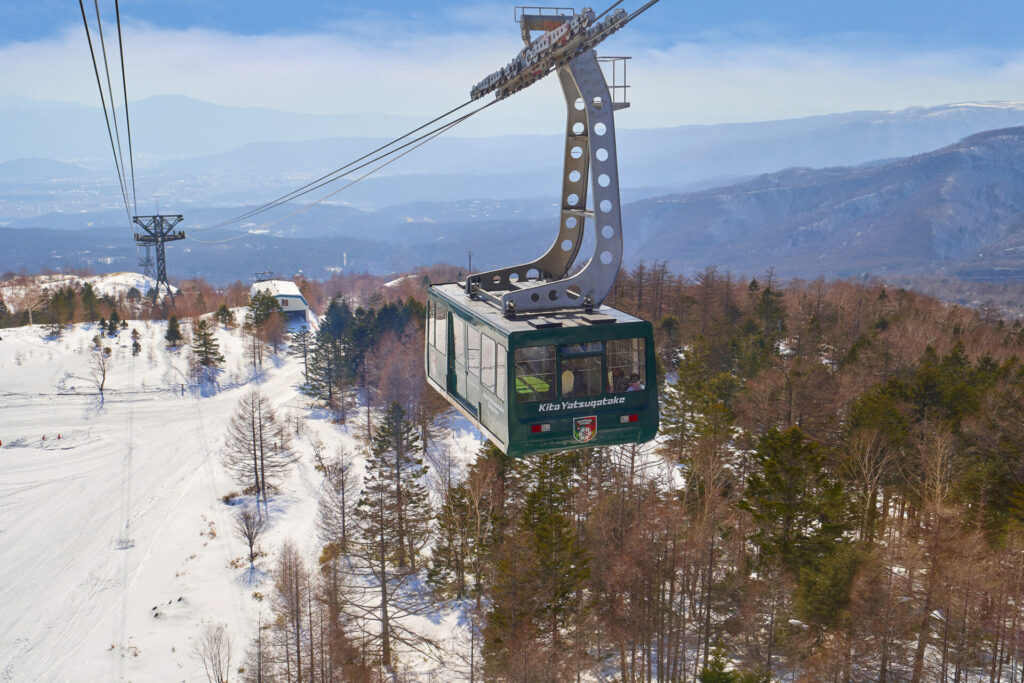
{"points": [[115, 544], [113, 285]]}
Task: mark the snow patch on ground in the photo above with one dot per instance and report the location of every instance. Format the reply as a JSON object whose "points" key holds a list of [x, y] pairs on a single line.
{"points": [[115, 544]]}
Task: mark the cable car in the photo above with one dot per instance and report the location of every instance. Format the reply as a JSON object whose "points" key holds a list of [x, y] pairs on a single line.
{"points": [[543, 382], [528, 353]]}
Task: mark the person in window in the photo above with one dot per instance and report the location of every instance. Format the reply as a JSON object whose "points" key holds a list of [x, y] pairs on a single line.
{"points": [[568, 382], [618, 383], [634, 383]]}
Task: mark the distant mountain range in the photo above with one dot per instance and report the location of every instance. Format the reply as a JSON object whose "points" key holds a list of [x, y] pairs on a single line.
{"points": [[19, 171], [196, 154], [958, 210]]}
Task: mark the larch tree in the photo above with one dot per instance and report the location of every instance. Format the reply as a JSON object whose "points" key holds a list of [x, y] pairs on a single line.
{"points": [[258, 445], [340, 496], [392, 519]]}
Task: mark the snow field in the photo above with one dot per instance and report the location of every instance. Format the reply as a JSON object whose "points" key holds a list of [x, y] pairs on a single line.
{"points": [[115, 545], [113, 285]]}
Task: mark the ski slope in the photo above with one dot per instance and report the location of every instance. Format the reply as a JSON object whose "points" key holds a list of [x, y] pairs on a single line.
{"points": [[114, 541]]}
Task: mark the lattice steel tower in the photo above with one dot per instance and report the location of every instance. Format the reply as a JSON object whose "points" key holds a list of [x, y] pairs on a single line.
{"points": [[159, 230], [146, 263]]}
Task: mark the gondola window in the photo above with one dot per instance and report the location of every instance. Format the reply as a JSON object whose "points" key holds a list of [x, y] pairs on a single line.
{"points": [[500, 367], [459, 339], [535, 373], [627, 366], [473, 352], [487, 364]]}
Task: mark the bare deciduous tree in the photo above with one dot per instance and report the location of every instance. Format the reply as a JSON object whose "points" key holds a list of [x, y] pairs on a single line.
{"points": [[341, 494], [250, 525], [213, 649], [100, 363], [258, 445]]}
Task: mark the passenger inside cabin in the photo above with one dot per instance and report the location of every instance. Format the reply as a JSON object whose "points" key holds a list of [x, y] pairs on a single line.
{"points": [[568, 382], [618, 383], [634, 383]]}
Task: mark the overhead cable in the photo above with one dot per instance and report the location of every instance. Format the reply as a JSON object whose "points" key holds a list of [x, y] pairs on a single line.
{"points": [[127, 119], [106, 118], [422, 141], [640, 11], [334, 175], [110, 92]]}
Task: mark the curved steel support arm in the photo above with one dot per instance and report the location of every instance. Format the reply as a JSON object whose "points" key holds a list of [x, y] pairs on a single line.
{"points": [[590, 159]]}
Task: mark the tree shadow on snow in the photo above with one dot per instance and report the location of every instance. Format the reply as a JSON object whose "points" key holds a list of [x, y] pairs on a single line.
{"points": [[207, 382], [252, 576]]}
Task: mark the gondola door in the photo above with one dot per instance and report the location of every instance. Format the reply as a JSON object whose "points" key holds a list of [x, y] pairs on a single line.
{"points": [[438, 344], [458, 381]]}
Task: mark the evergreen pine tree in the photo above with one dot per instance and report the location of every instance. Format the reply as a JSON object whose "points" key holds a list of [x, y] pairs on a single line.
{"points": [[205, 346], [798, 509], [561, 561], [395, 466], [114, 324], [89, 302], [324, 368], [225, 316], [173, 334], [261, 306], [448, 559], [337, 318]]}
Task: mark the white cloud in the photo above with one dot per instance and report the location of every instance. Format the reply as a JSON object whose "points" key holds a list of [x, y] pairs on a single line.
{"points": [[716, 79]]}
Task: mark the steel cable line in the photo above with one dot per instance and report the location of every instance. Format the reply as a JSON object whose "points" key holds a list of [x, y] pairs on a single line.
{"points": [[328, 177], [422, 141], [347, 168], [311, 187], [110, 91], [127, 119], [640, 11], [598, 17], [106, 118]]}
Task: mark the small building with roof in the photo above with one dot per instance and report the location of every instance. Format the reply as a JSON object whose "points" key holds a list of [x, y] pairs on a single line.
{"points": [[286, 292]]}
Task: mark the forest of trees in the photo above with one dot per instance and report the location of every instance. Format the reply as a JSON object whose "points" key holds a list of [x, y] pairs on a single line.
{"points": [[837, 495]]}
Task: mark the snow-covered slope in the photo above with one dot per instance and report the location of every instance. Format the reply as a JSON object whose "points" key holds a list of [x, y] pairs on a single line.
{"points": [[113, 285], [115, 546]]}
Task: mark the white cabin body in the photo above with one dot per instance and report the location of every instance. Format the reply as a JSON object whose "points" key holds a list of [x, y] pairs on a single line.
{"points": [[286, 292]]}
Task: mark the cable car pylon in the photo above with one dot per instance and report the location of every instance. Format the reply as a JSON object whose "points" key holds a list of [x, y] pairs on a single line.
{"points": [[159, 229], [523, 351]]}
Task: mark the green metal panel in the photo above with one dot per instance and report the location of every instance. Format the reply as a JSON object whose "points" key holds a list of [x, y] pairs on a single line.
{"points": [[565, 415], [570, 422]]}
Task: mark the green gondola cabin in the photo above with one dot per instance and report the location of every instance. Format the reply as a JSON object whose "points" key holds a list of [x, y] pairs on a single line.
{"points": [[544, 382]]}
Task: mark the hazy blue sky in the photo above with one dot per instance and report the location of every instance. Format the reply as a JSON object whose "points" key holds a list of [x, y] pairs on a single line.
{"points": [[694, 62], [912, 23]]}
